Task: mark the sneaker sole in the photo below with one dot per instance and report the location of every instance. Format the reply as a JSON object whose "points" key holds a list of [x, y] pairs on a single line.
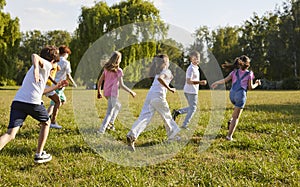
{"points": [[173, 134], [43, 160]]}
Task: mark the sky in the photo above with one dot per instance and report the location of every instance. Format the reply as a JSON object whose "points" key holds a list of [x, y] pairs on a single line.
{"points": [[47, 15]]}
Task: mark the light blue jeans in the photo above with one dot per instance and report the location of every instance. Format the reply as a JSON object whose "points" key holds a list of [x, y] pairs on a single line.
{"points": [[113, 108], [191, 109]]}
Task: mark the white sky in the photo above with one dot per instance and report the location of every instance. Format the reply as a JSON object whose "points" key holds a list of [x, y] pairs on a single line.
{"points": [[46, 15]]}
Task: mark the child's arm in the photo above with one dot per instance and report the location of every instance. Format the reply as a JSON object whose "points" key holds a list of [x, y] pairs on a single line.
{"points": [[201, 82], [59, 85], [122, 85], [69, 76], [222, 81], [162, 81], [52, 80], [37, 62], [252, 86], [99, 85]]}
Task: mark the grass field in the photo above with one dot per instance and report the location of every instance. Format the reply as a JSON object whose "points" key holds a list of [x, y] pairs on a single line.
{"points": [[265, 150]]}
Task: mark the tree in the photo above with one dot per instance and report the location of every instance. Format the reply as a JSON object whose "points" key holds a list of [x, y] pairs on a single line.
{"points": [[33, 42], [226, 44], [119, 24], [9, 42]]}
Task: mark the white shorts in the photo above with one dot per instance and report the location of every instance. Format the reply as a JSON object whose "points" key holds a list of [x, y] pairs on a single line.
{"points": [[50, 93]]}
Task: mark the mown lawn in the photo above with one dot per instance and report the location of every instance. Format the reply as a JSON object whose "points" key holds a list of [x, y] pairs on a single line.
{"points": [[265, 150]]}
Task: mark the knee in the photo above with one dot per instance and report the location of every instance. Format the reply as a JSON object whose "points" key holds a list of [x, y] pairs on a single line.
{"points": [[58, 104], [11, 136], [193, 108], [118, 106]]}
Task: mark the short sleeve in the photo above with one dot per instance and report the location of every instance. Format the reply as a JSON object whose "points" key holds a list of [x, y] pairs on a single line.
{"points": [[120, 72], [189, 73], [68, 68], [251, 75]]}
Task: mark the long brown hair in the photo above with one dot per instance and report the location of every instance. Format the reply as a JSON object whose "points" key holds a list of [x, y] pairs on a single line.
{"points": [[113, 63], [242, 62]]}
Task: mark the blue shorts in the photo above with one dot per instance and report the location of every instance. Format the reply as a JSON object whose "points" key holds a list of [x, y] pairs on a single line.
{"points": [[19, 111], [238, 98]]}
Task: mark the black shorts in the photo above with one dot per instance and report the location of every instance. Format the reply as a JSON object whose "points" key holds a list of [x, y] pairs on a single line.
{"points": [[19, 111]]}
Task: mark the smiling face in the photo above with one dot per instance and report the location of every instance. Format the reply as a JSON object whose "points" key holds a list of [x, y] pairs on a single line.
{"points": [[195, 59]]}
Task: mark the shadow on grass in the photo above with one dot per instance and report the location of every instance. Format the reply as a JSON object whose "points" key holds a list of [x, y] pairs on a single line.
{"points": [[77, 149], [290, 109], [17, 151]]}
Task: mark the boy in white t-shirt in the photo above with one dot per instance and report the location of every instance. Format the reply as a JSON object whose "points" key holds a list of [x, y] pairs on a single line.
{"points": [[191, 89], [28, 101], [63, 74]]}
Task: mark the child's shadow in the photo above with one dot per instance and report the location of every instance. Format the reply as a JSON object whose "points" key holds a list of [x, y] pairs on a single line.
{"points": [[17, 151]]}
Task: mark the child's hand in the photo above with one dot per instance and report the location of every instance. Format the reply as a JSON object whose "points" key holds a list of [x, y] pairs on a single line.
{"points": [[173, 90], [99, 95], [258, 82], [133, 94], [62, 83], [214, 85], [203, 82]]}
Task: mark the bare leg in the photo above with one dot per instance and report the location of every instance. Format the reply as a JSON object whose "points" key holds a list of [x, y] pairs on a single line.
{"points": [[50, 110], [54, 109], [8, 136], [43, 136], [234, 121]]}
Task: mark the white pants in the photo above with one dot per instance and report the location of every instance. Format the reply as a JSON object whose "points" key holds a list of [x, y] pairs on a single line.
{"points": [[154, 102], [113, 108]]}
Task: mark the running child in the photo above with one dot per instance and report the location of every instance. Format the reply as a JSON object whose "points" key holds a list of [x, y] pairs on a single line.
{"points": [[242, 80]]}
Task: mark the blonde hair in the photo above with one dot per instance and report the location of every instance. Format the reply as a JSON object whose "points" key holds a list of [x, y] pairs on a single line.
{"points": [[194, 54], [113, 63], [157, 64]]}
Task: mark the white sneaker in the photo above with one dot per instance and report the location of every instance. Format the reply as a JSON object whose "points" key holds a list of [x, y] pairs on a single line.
{"points": [[44, 157], [229, 138], [55, 126], [173, 133], [99, 132]]}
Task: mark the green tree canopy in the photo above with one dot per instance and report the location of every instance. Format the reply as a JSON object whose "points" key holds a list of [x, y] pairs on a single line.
{"points": [[9, 42]]}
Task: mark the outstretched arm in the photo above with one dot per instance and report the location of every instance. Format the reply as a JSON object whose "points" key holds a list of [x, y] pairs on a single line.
{"points": [[222, 81], [162, 81], [123, 86], [252, 86], [69, 76], [59, 85], [99, 85]]}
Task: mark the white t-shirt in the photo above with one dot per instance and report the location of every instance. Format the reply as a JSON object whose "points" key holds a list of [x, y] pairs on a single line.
{"points": [[157, 87], [31, 91], [65, 68], [193, 73]]}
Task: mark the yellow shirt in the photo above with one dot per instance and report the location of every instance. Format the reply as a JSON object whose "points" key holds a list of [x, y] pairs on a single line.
{"points": [[52, 74]]}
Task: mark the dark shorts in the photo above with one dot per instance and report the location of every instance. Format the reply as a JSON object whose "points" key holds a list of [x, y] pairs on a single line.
{"points": [[19, 111], [238, 98]]}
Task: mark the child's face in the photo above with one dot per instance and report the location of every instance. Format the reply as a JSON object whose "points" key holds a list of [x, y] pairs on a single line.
{"points": [[167, 64], [195, 59]]}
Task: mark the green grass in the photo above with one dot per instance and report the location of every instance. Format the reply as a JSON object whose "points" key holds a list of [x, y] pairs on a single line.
{"points": [[265, 151]]}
